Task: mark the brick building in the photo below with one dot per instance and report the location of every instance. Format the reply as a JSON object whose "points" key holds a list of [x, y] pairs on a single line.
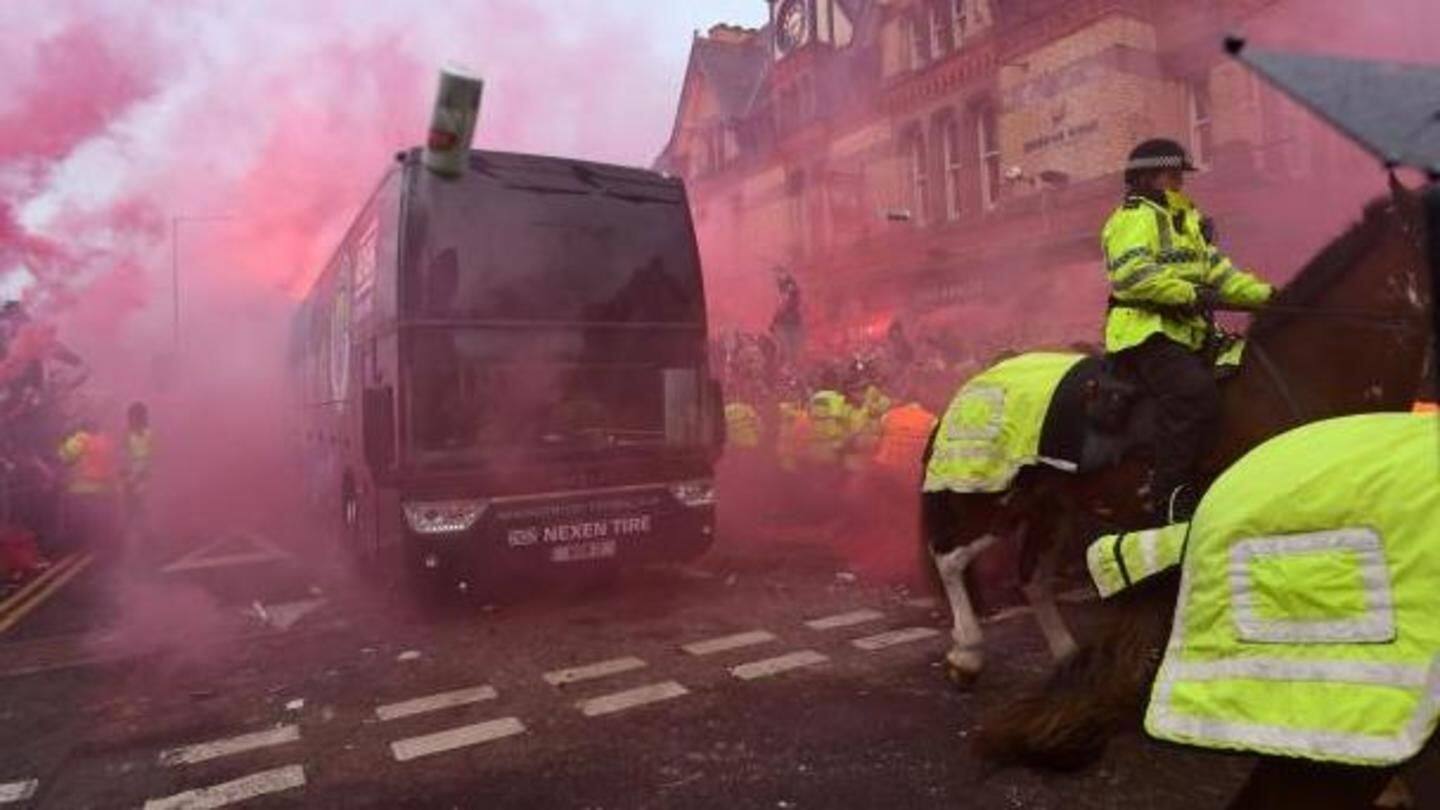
{"points": [[950, 162]]}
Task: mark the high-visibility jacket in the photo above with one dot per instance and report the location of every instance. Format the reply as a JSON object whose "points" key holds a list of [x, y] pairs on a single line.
{"points": [[92, 463], [830, 427], [139, 447], [1306, 620], [865, 427], [742, 425], [903, 434], [1156, 255]]}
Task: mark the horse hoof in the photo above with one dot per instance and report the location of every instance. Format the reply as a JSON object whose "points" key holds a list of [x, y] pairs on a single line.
{"points": [[960, 678]]}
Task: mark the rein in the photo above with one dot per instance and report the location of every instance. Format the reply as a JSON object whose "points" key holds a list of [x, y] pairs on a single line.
{"points": [[1372, 318]]}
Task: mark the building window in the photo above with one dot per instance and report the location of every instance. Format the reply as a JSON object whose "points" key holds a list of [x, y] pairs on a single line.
{"points": [[918, 177], [942, 28], [954, 171], [1202, 129], [919, 28], [989, 141]]}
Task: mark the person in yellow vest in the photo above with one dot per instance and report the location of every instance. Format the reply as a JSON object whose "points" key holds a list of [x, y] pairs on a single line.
{"points": [[139, 449], [830, 428], [1165, 274], [871, 404], [89, 455], [742, 427]]}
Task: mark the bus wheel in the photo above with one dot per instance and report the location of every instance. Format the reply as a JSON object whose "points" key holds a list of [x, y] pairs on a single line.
{"points": [[350, 520]]}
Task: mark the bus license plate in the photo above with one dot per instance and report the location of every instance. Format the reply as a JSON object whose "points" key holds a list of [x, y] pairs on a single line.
{"points": [[597, 550]]}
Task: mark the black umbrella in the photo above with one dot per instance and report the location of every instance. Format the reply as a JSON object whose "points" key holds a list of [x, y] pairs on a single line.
{"points": [[1391, 109]]}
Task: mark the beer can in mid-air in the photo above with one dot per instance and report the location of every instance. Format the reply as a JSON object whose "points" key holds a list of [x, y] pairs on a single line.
{"points": [[452, 124]]}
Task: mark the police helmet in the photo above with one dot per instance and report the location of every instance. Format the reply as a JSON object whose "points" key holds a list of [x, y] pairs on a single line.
{"points": [[1156, 154]]}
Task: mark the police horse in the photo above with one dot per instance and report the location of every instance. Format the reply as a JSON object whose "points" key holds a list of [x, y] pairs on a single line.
{"points": [[1347, 335]]}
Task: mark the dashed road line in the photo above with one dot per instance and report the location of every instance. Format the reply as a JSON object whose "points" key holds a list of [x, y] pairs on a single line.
{"points": [[630, 698], [774, 666], [17, 791], [238, 790], [201, 752], [602, 669], [451, 739], [902, 636], [724, 643], [850, 619], [436, 702]]}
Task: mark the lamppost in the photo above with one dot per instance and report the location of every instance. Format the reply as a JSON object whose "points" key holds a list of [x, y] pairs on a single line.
{"points": [[175, 263]]}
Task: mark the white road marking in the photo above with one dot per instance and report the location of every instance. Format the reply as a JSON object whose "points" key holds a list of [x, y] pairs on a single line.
{"points": [[602, 669], [630, 698], [431, 703], [239, 790], [850, 619], [903, 636], [462, 737], [723, 643], [262, 550], [201, 752], [17, 791], [284, 616], [777, 665]]}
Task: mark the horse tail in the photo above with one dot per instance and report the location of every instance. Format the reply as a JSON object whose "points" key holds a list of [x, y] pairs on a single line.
{"points": [[1066, 723]]}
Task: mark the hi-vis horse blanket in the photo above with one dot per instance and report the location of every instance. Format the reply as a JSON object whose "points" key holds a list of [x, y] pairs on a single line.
{"points": [[1305, 625], [993, 425]]}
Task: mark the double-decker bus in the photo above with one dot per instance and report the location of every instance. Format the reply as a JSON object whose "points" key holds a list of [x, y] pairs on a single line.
{"points": [[507, 370]]}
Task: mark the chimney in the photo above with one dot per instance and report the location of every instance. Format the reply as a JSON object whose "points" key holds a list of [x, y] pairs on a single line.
{"points": [[731, 34]]}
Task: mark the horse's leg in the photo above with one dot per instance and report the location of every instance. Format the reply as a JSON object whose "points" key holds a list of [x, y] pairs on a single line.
{"points": [[967, 656], [1050, 538], [952, 540], [1283, 783]]}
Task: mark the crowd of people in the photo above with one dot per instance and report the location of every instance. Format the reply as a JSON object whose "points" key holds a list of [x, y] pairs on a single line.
{"points": [[67, 483], [825, 435]]}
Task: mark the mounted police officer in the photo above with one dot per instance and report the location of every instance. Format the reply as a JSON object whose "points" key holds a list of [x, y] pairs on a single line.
{"points": [[1165, 278]]}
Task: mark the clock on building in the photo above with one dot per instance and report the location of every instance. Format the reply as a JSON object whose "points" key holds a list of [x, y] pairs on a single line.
{"points": [[792, 25]]}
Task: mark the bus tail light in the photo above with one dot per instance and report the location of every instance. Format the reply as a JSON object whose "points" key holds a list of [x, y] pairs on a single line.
{"points": [[695, 493], [443, 517]]}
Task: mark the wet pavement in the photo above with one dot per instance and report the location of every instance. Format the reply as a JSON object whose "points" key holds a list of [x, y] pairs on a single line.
{"points": [[769, 674]]}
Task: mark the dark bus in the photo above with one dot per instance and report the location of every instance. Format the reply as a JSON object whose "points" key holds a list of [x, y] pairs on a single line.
{"points": [[507, 371]]}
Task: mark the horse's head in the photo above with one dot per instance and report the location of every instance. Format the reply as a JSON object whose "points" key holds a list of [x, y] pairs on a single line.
{"points": [[1347, 335]]}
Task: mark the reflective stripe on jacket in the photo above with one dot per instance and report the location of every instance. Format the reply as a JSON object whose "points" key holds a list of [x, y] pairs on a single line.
{"points": [[1156, 255], [1306, 623]]}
